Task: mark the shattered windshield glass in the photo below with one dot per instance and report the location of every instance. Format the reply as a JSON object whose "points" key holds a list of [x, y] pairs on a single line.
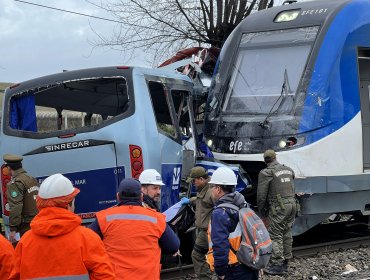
{"points": [[268, 70]]}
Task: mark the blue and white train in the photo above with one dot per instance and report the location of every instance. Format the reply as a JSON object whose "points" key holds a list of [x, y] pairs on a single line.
{"points": [[296, 79]]}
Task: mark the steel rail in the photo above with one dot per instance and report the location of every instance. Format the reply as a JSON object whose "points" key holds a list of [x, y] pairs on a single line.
{"points": [[332, 246], [186, 271]]}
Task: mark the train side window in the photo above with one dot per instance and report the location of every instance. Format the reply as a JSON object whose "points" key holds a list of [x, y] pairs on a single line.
{"points": [[70, 105], [161, 106]]}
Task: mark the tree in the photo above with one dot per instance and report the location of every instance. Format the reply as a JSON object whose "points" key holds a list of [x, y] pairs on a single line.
{"points": [[163, 27]]}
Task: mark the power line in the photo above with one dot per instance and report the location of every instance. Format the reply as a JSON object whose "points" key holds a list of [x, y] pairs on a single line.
{"points": [[85, 15], [67, 11]]}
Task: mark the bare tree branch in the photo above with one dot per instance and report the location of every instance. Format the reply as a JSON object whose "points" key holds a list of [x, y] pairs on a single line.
{"points": [[163, 27], [188, 19]]}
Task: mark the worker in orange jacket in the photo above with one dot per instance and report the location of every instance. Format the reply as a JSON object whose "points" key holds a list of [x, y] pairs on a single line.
{"points": [[6, 257], [133, 235], [57, 246]]}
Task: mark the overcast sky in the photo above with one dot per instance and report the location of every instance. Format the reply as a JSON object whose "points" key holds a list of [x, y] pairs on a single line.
{"points": [[36, 41]]}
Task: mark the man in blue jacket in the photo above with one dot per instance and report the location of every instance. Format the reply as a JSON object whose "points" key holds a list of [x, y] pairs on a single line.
{"points": [[224, 233]]}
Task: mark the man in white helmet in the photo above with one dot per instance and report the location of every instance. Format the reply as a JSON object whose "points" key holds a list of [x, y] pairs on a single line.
{"points": [[224, 237], [57, 246], [151, 183]]}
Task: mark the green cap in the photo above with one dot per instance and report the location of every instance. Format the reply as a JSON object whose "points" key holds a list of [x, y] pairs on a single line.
{"points": [[269, 154], [196, 172], [9, 158]]}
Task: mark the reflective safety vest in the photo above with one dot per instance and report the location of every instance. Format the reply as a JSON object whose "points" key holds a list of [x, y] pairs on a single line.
{"points": [[130, 235], [235, 238], [70, 277]]}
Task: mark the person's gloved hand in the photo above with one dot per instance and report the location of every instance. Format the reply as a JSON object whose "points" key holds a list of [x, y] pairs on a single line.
{"points": [[185, 200], [177, 254]]}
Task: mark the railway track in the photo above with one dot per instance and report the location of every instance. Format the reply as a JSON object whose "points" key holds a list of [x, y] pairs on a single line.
{"points": [[187, 272], [314, 249], [184, 272]]}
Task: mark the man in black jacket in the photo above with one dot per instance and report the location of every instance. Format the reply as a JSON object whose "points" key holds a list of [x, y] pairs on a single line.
{"points": [[151, 183]]}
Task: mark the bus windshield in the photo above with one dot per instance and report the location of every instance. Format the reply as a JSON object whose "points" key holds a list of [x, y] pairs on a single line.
{"points": [[268, 70]]}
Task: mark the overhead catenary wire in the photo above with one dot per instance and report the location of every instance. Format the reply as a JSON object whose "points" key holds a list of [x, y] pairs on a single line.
{"points": [[81, 14]]}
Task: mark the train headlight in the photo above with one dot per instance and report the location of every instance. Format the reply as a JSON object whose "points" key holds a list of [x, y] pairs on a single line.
{"points": [[282, 143], [209, 143], [291, 141], [287, 16]]}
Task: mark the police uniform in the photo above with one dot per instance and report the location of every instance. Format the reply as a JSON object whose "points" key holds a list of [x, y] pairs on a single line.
{"points": [[203, 209], [21, 191], [276, 200]]}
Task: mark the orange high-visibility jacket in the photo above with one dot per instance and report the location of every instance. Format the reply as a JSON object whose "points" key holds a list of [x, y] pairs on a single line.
{"points": [[130, 235], [234, 237], [6, 257], [57, 246]]}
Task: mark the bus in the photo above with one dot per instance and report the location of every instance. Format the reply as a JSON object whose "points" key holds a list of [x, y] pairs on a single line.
{"points": [[97, 126]]}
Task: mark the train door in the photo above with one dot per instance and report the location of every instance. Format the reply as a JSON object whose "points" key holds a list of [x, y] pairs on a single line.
{"points": [[364, 76]]}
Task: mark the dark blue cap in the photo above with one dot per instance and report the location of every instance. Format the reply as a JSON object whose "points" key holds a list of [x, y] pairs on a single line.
{"points": [[129, 188]]}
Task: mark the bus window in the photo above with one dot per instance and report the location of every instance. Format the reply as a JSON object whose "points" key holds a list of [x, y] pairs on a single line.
{"points": [[178, 102], [75, 104], [161, 107], [182, 110], [51, 120]]}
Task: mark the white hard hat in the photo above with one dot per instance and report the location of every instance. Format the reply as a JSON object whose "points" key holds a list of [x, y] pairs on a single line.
{"points": [[56, 186], [223, 176], [150, 177]]}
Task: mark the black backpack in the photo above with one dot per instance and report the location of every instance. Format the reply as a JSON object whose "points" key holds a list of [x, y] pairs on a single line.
{"points": [[183, 220]]}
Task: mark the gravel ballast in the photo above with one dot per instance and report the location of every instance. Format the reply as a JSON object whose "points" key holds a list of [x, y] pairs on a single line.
{"points": [[329, 266]]}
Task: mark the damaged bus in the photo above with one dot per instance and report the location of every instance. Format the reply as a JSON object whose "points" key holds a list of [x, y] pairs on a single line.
{"points": [[97, 126]]}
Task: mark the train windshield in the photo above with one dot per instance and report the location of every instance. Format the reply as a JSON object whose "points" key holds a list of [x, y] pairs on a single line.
{"points": [[268, 70]]}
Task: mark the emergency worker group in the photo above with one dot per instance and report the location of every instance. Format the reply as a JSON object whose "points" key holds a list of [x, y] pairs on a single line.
{"points": [[127, 240]]}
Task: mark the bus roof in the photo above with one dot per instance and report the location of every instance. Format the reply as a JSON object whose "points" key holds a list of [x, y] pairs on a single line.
{"points": [[98, 72]]}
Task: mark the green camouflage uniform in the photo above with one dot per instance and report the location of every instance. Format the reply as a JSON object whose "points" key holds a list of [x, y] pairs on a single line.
{"points": [[22, 191], [276, 200], [203, 211]]}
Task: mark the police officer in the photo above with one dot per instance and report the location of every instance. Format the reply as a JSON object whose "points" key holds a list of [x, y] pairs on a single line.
{"points": [[276, 200], [21, 191], [203, 209]]}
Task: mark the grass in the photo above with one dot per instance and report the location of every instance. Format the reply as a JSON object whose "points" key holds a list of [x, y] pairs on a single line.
{"points": [[3, 86]]}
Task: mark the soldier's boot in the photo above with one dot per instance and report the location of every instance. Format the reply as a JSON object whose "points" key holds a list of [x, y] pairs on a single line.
{"points": [[285, 266], [274, 270]]}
